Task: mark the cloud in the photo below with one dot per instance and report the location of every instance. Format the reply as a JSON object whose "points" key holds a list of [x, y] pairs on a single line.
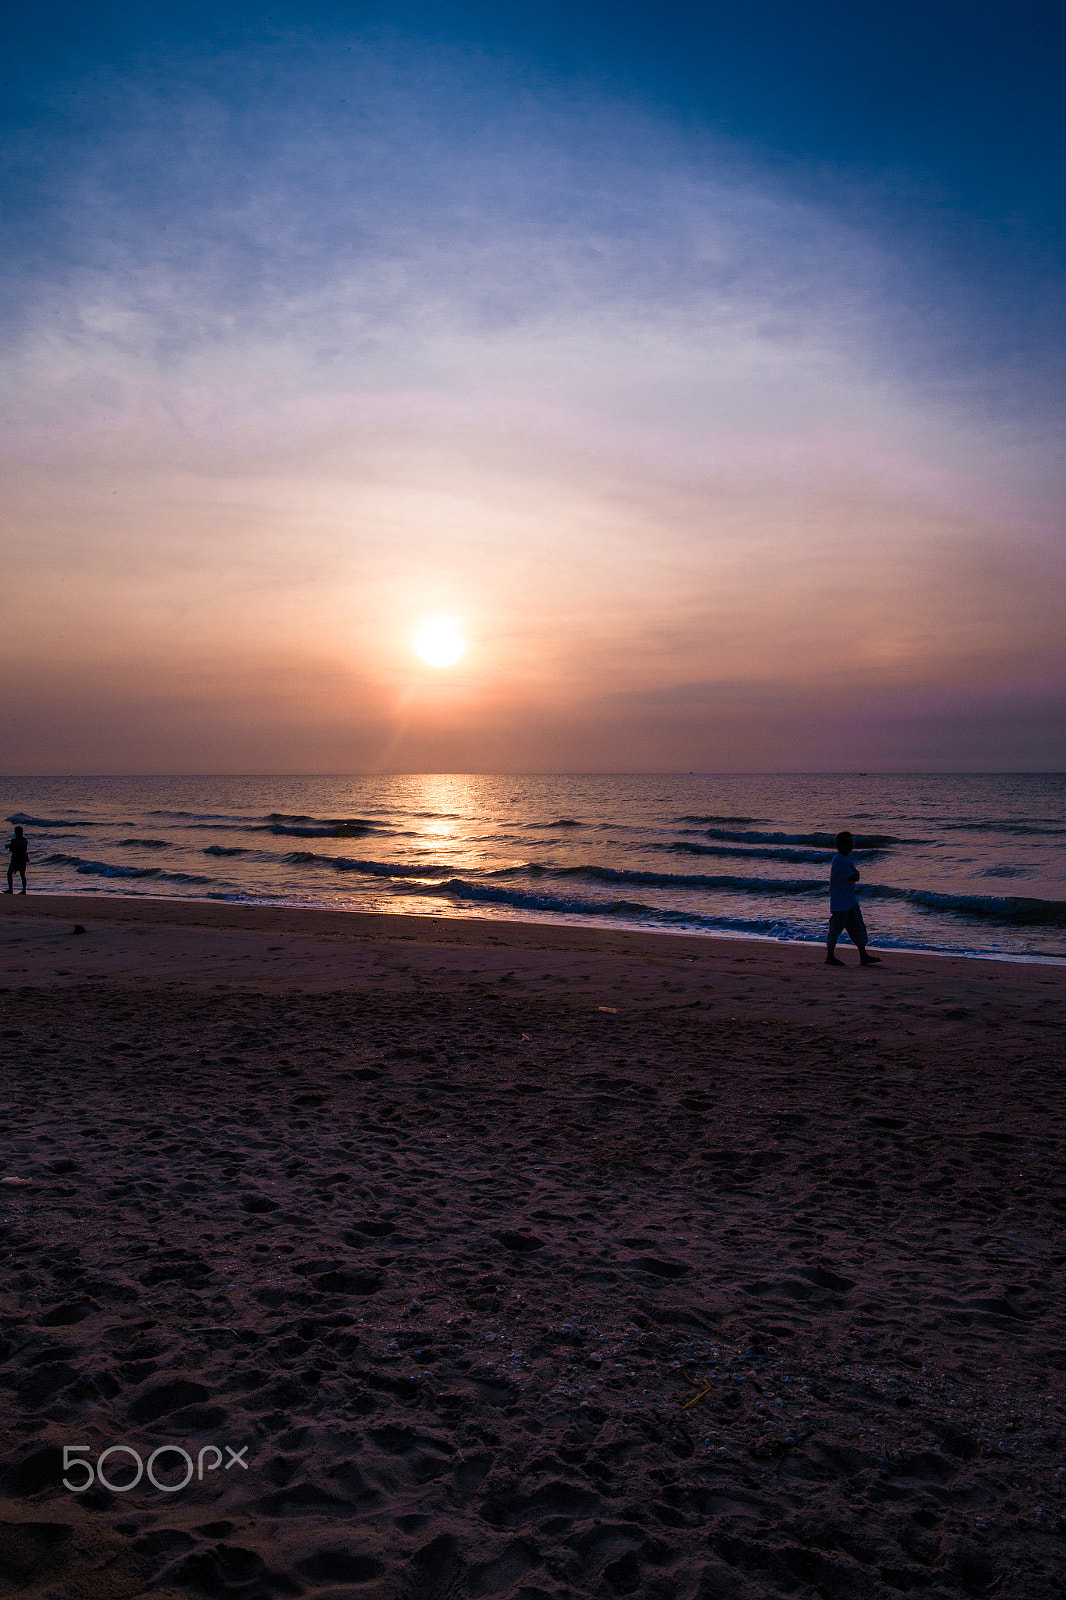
{"points": [[301, 355]]}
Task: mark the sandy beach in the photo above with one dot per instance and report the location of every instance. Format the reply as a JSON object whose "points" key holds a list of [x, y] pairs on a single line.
{"points": [[523, 1260]]}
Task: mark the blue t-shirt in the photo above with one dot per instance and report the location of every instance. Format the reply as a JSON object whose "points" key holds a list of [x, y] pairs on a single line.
{"points": [[841, 892]]}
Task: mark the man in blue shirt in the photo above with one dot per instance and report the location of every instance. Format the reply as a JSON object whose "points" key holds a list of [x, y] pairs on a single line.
{"points": [[844, 913]]}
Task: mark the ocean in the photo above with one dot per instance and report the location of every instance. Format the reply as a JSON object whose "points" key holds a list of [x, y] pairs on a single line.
{"points": [[971, 864]]}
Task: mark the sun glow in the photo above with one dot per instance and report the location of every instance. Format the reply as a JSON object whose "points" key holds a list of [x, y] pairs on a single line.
{"points": [[439, 644]]}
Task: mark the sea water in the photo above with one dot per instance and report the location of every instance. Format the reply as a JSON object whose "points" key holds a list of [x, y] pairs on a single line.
{"points": [[973, 864]]}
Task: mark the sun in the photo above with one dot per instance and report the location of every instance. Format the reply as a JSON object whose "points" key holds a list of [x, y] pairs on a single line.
{"points": [[439, 644]]}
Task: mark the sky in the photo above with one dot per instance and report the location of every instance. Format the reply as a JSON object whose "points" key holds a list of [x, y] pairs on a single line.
{"points": [[702, 366]]}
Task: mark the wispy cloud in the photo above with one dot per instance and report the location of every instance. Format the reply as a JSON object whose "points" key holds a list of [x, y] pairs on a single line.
{"points": [[306, 352]]}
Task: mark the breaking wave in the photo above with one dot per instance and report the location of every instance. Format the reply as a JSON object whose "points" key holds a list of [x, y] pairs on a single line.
{"points": [[372, 869], [1020, 909], [574, 905], [1015, 910], [108, 869], [685, 847]]}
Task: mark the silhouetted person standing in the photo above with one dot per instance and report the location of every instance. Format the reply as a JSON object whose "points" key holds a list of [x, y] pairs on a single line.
{"points": [[20, 849], [844, 913]]}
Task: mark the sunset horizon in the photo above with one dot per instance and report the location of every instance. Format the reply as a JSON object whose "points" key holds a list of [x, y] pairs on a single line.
{"points": [[714, 404]]}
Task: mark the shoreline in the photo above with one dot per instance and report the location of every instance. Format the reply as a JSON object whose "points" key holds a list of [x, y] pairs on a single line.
{"points": [[211, 945], [408, 925]]}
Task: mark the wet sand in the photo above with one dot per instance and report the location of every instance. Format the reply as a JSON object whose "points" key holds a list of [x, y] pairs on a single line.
{"points": [[524, 1261]]}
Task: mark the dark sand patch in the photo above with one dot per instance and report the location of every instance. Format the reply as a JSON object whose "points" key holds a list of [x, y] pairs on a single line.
{"points": [[448, 1249]]}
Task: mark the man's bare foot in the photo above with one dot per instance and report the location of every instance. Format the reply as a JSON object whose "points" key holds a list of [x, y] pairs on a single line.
{"points": [[834, 961], [869, 961]]}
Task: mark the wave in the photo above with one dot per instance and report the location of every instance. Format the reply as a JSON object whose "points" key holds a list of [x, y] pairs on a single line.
{"points": [[324, 822], [1015, 910], [755, 852], [144, 844], [739, 822], [226, 850], [372, 869], [200, 816], [108, 869], [825, 841], [573, 905], [671, 880], [51, 822], [298, 824], [560, 822], [244, 826], [1000, 908], [590, 874], [1019, 909], [357, 828]]}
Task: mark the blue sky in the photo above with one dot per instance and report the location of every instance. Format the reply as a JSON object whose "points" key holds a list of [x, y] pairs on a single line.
{"points": [[703, 364]]}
